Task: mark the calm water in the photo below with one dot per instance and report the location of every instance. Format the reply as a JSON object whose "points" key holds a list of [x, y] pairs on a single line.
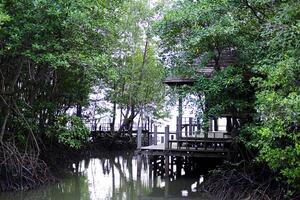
{"points": [[118, 177]]}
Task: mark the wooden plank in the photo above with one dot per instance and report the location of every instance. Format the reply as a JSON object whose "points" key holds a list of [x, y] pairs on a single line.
{"points": [[178, 81], [225, 140], [183, 149], [187, 154]]}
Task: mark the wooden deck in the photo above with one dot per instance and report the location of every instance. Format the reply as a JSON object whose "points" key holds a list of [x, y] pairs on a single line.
{"points": [[216, 148], [190, 139]]}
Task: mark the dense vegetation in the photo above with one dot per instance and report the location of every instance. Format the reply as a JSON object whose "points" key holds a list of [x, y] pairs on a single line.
{"points": [[50, 52], [54, 54], [262, 87]]}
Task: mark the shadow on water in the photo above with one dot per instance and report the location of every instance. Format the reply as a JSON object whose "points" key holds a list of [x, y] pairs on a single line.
{"points": [[126, 177]]}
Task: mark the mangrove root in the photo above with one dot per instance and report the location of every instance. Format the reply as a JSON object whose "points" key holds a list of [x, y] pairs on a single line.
{"points": [[21, 170]]}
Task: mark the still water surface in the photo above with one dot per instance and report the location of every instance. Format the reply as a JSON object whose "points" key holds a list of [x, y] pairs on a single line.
{"points": [[117, 177]]}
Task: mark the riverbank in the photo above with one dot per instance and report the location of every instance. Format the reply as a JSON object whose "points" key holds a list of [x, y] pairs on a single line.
{"points": [[247, 181], [22, 170]]}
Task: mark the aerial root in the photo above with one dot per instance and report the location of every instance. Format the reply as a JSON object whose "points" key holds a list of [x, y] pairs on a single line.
{"points": [[21, 170], [246, 184]]}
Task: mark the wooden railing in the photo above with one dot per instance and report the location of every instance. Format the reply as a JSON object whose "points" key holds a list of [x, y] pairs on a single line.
{"points": [[204, 139]]}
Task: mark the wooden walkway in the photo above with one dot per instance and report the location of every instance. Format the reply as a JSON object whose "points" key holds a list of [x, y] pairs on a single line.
{"points": [[189, 140], [159, 150], [216, 145]]}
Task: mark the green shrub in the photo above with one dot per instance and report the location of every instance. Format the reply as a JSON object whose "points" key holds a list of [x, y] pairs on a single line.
{"points": [[70, 131]]}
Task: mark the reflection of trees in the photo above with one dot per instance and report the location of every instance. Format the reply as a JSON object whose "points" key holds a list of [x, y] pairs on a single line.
{"points": [[123, 166], [127, 186], [73, 187], [130, 179]]}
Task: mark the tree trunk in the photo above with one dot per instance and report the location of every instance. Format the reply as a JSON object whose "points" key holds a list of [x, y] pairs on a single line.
{"points": [[112, 125], [4, 125], [128, 121], [79, 110]]}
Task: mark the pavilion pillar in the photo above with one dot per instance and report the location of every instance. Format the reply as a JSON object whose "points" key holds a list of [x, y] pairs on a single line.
{"points": [[228, 124], [180, 108], [155, 136], [167, 137], [216, 126], [179, 127], [210, 125], [190, 126], [180, 114]]}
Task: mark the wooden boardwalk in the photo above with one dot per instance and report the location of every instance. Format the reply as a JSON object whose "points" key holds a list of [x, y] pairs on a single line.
{"points": [[189, 151], [212, 144], [189, 140]]}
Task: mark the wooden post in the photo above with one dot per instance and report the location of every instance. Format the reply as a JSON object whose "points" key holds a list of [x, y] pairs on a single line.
{"points": [[167, 137], [155, 136], [198, 126], [210, 124], [167, 183], [172, 163], [148, 120], [179, 127], [228, 124], [139, 138], [151, 126], [150, 173], [190, 126], [216, 126], [179, 130], [139, 166], [235, 125], [180, 107], [178, 166], [139, 170], [150, 141], [155, 158], [166, 166]]}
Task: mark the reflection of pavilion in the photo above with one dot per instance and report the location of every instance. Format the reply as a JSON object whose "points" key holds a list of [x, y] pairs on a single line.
{"points": [[129, 177], [174, 178]]}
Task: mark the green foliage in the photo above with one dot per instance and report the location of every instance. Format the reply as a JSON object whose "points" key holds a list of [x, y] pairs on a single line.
{"points": [[52, 53], [263, 85], [3, 16], [69, 130], [277, 136], [227, 91], [142, 83], [202, 30], [134, 76]]}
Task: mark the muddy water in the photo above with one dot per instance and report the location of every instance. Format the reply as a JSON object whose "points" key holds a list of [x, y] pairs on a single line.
{"points": [[119, 177]]}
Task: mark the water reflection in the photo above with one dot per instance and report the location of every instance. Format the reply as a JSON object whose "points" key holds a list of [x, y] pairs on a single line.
{"points": [[121, 177]]}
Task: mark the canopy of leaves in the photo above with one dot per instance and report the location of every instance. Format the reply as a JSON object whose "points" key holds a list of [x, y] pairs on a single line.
{"points": [[262, 84], [134, 76], [51, 54]]}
